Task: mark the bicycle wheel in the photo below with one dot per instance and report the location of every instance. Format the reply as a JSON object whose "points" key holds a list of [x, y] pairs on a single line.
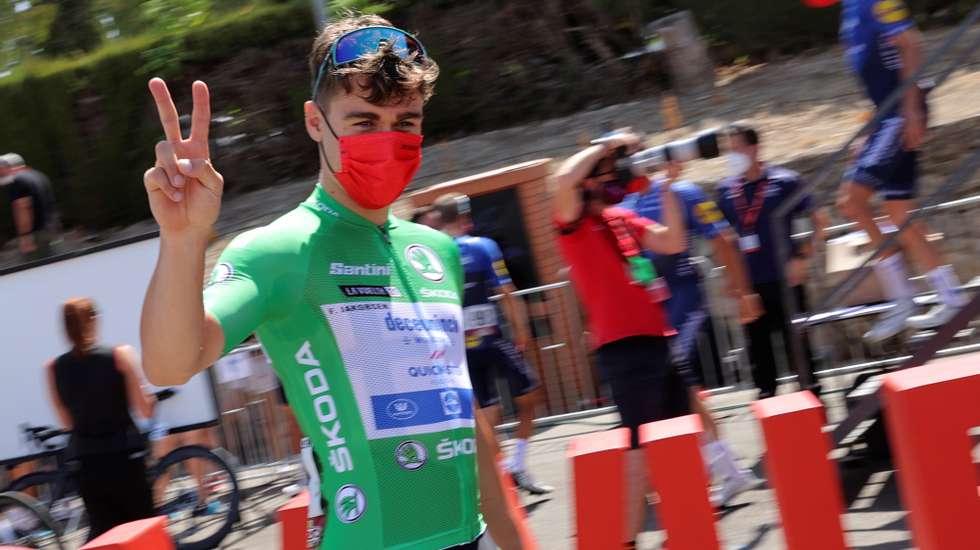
{"points": [[198, 493], [24, 522], [57, 493]]}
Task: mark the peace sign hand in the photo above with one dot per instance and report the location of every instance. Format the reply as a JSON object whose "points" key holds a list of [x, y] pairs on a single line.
{"points": [[183, 187]]}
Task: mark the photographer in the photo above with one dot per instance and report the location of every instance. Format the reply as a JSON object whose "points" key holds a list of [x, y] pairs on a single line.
{"points": [[689, 311], [748, 198], [602, 245]]}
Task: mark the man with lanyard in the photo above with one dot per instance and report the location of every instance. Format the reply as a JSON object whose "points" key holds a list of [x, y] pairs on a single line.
{"points": [[359, 311], [884, 49], [688, 310], [748, 198], [487, 351], [622, 298]]}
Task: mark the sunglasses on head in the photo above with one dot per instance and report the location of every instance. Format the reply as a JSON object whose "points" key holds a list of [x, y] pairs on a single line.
{"points": [[364, 41]]}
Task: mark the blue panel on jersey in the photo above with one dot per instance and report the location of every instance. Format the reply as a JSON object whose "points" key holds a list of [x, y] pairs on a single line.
{"points": [[418, 408]]}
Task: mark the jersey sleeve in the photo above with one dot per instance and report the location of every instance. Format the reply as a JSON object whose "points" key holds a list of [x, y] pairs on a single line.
{"points": [[235, 293], [497, 268], [889, 17], [702, 213]]}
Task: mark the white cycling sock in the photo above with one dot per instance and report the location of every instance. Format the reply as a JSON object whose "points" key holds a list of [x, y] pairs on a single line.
{"points": [[722, 460], [518, 459], [894, 282], [944, 281]]}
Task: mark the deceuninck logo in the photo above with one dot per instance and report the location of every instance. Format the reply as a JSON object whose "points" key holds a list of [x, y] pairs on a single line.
{"points": [[349, 503], [411, 455], [425, 262]]}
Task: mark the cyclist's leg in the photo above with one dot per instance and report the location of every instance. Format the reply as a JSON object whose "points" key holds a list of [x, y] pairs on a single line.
{"points": [[926, 254], [879, 168], [524, 388], [160, 449], [199, 468], [480, 361]]}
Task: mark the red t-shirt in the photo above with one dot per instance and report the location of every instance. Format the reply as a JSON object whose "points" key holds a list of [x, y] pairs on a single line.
{"points": [[616, 307]]}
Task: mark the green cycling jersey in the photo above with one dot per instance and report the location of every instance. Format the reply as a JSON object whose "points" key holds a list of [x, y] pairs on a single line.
{"points": [[364, 328]]}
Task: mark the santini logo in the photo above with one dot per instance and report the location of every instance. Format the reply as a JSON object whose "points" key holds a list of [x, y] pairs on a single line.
{"points": [[339, 268]]}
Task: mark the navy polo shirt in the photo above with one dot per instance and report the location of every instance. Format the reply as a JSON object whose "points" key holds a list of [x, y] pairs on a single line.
{"points": [[781, 182]]}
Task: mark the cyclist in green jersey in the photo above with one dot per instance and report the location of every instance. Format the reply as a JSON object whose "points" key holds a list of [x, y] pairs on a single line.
{"points": [[359, 311]]}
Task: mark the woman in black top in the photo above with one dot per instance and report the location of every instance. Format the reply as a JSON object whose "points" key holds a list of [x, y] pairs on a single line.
{"points": [[93, 389]]}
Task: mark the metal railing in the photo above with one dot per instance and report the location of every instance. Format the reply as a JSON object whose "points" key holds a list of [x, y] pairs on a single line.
{"points": [[795, 198]]}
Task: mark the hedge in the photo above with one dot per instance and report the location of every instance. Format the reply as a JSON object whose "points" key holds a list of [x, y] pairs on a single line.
{"points": [[88, 122]]}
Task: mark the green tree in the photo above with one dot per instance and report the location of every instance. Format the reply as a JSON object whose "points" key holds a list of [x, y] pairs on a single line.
{"points": [[74, 28]]}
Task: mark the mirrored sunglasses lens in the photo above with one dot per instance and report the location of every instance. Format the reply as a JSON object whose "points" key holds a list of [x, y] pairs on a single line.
{"points": [[366, 41]]}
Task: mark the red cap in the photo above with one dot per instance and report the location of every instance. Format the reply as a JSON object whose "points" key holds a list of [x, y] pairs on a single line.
{"points": [[820, 3]]}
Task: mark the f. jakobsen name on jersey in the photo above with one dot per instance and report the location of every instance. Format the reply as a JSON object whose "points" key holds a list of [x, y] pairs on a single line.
{"points": [[414, 324], [340, 268]]}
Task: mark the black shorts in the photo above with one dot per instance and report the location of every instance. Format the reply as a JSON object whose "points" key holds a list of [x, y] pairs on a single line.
{"points": [[685, 352], [884, 165], [645, 385], [498, 357]]}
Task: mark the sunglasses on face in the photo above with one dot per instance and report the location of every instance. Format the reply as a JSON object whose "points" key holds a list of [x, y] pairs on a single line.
{"points": [[364, 41]]}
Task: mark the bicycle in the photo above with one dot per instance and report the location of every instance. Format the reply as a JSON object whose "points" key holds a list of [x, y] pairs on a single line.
{"points": [[199, 516], [24, 522]]}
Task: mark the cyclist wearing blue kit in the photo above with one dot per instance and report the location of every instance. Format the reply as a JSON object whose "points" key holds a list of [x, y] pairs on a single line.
{"points": [[488, 353], [688, 309], [884, 49]]}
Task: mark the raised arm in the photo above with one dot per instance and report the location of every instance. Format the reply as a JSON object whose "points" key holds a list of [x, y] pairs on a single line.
{"points": [[184, 190], [669, 237], [568, 179]]}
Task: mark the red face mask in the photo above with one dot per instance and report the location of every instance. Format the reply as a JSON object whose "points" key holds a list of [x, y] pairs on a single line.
{"points": [[375, 168]]}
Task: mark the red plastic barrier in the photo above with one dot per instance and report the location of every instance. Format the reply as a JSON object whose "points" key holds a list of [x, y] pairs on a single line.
{"points": [[292, 521], [805, 481], [145, 534], [929, 410], [598, 463], [678, 474]]}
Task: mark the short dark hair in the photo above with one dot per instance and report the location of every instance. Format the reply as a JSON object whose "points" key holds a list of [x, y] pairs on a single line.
{"points": [[748, 134], [420, 213], [452, 206], [383, 76]]}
